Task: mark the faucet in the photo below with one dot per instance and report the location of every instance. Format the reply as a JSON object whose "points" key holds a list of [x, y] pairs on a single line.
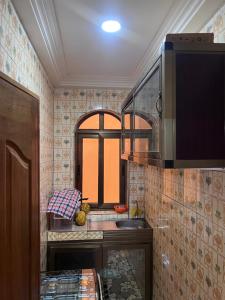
{"points": [[136, 211], [135, 216]]}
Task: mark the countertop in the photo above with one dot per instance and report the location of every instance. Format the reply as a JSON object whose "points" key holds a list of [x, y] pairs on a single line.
{"points": [[90, 226], [90, 231]]}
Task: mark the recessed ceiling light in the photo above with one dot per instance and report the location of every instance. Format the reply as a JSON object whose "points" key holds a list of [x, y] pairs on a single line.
{"points": [[111, 26]]}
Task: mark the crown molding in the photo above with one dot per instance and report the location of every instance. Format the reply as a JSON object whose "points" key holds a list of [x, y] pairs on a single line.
{"points": [[96, 81], [179, 16], [44, 12]]}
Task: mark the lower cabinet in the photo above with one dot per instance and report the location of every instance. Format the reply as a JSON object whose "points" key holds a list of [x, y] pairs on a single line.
{"points": [[127, 271], [74, 255], [124, 262]]}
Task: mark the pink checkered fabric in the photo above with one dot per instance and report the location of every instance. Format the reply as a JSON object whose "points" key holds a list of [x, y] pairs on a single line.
{"points": [[64, 203]]}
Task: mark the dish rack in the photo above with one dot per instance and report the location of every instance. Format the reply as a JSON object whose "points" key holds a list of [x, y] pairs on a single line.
{"points": [[57, 222]]}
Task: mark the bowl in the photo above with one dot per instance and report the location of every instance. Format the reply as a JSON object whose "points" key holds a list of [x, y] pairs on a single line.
{"points": [[121, 208]]}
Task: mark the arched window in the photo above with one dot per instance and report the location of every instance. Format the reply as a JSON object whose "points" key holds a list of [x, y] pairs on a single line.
{"points": [[100, 172]]}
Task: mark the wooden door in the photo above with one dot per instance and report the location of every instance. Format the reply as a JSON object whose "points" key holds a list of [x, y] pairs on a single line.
{"points": [[19, 193]]}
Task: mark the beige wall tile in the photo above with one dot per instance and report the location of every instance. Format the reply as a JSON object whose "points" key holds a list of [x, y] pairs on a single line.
{"points": [[193, 242]]}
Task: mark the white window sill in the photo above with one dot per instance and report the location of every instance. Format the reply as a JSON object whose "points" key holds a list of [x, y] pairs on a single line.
{"points": [[103, 215]]}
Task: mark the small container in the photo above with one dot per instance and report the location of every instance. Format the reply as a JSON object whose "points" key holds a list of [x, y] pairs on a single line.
{"points": [[121, 208], [57, 222]]}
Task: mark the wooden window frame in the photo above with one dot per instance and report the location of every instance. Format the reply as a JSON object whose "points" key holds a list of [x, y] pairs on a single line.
{"points": [[101, 134]]}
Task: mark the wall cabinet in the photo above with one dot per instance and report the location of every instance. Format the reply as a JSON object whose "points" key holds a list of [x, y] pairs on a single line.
{"points": [[127, 126], [177, 111]]}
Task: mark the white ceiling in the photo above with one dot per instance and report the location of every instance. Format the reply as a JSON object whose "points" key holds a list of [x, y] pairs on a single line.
{"points": [[68, 38], [89, 51]]}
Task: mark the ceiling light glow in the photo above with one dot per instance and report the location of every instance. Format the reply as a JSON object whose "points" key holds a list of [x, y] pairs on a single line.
{"points": [[111, 26]]}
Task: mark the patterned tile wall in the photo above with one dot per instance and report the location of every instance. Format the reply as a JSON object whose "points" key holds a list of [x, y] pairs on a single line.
{"points": [[187, 211], [69, 106], [136, 189], [19, 61], [217, 25]]}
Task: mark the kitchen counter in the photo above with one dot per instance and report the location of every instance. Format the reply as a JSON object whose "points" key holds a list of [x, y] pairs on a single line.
{"points": [[92, 230], [112, 251], [90, 226], [97, 223]]}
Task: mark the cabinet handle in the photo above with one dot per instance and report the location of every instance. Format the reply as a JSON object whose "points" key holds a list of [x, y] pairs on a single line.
{"points": [[100, 287], [158, 104]]}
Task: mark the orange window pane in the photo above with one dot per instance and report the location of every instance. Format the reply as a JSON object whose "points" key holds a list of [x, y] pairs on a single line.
{"points": [[111, 170], [141, 123], [127, 145], [90, 169], [141, 145], [111, 122], [91, 123], [127, 121]]}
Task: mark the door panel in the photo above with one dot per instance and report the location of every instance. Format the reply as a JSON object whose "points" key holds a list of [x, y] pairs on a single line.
{"points": [[19, 193]]}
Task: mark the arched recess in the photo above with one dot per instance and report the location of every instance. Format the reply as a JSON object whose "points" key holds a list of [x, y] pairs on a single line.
{"points": [[100, 173]]}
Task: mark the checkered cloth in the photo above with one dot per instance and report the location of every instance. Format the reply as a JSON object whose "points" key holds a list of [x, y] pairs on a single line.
{"points": [[64, 203]]}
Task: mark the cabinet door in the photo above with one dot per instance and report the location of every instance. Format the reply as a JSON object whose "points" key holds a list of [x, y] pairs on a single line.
{"points": [[19, 194], [147, 107], [127, 271], [74, 256], [200, 106], [127, 128]]}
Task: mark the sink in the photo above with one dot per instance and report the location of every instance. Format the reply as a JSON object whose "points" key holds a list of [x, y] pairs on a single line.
{"points": [[132, 224]]}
